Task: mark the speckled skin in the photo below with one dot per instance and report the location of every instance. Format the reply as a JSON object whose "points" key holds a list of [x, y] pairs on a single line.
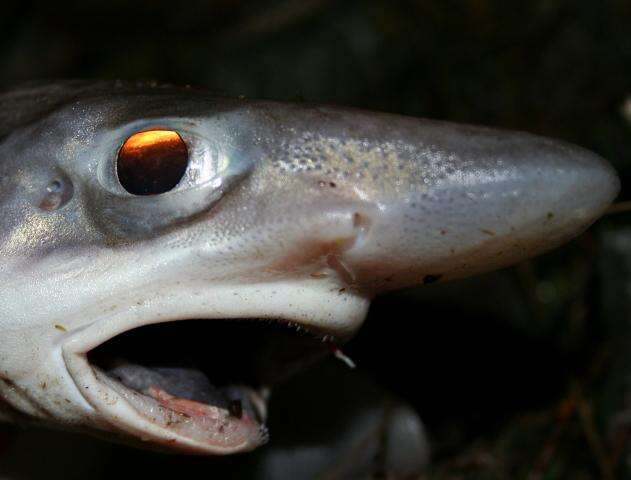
{"points": [[309, 212]]}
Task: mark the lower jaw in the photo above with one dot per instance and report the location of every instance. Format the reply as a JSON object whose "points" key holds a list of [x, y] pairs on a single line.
{"points": [[155, 415], [209, 430]]}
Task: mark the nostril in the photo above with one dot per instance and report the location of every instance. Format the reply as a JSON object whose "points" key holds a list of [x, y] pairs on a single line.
{"points": [[361, 222]]}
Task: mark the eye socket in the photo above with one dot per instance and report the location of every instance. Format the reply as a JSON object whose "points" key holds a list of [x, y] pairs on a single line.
{"points": [[152, 162]]}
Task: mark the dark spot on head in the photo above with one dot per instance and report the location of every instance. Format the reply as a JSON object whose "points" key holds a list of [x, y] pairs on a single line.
{"points": [[332, 184], [427, 279], [443, 232], [360, 221], [550, 216]]}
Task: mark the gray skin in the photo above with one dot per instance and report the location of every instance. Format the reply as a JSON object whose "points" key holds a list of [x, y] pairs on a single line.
{"points": [[301, 213]]}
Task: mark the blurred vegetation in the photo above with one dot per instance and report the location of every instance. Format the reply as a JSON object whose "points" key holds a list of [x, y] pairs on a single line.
{"points": [[519, 374]]}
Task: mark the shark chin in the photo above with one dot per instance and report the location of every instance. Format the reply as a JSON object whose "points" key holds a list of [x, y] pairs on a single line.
{"points": [[198, 386]]}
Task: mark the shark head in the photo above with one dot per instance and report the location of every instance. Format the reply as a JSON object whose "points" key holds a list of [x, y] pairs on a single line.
{"points": [[168, 256]]}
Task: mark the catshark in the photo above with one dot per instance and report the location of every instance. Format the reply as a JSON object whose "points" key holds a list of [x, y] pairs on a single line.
{"points": [[168, 256]]}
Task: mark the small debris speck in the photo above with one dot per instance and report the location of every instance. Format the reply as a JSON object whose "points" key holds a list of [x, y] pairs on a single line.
{"points": [[427, 279]]}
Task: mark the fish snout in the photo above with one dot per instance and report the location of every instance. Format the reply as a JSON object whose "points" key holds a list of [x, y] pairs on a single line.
{"points": [[450, 214]]}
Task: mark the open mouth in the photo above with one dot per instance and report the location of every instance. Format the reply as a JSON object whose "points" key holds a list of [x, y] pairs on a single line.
{"points": [[196, 385]]}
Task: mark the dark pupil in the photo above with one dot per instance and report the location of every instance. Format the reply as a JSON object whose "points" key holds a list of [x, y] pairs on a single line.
{"points": [[153, 162]]}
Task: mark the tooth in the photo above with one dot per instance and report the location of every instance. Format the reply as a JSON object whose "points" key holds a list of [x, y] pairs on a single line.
{"points": [[344, 358]]}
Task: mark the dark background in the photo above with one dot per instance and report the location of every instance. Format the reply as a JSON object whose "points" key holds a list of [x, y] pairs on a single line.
{"points": [[518, 374]]}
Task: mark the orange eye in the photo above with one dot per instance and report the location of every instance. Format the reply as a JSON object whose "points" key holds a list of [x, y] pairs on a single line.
{"points": [[152, 162]]}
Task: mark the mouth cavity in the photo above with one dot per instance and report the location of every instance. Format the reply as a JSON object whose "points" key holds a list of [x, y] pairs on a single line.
{"points": [[206, 381]]}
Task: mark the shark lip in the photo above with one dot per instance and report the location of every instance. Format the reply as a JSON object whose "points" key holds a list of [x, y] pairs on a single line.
{"points": [[193, 385]]}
